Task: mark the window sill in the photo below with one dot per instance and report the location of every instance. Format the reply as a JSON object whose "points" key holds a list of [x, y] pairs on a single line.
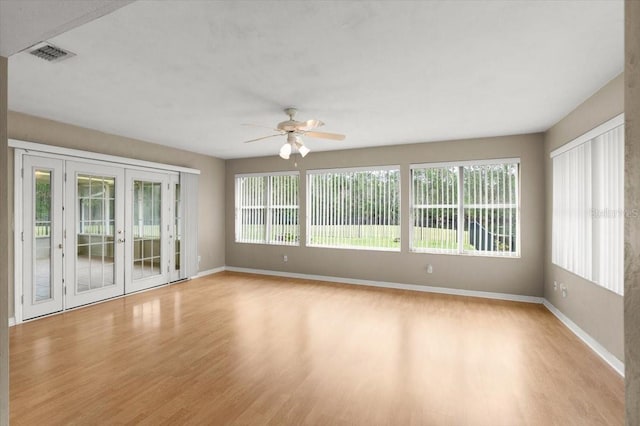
{"points": [[392, 250], [467, 254], [263, 243]]}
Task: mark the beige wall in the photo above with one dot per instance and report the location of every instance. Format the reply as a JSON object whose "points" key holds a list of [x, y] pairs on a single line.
{"points": [[597, 311], [521, 276], [632, 202], [211, 182]]}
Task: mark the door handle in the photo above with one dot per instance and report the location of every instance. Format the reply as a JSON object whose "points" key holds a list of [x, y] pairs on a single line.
{"points": [[121, 240]]}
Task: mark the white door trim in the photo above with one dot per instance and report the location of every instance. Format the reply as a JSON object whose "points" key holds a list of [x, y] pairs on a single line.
{"points": [[87, 156], [17, 240]]}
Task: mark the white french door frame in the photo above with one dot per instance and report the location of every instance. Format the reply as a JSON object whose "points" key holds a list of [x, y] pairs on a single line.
{"points": [[74, 296], [32, 307], [133, 284], [176, 210], [22, 148]]}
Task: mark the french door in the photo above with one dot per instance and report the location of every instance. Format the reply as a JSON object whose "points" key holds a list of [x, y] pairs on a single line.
{"points": [[148, 229], [42, 236], [93, 231]]}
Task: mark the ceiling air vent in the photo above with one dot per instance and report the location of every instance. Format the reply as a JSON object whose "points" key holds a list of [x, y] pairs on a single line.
{"points": [[50, 53]]}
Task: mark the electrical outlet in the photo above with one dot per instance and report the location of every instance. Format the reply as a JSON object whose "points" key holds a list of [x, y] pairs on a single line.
{"points": [[555, 286], [285, 258], [199, 259], [429, 269], [564, 289]]}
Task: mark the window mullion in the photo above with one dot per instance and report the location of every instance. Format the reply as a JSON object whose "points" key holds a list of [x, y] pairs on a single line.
{"points": [[460, 220], [267, 208]]}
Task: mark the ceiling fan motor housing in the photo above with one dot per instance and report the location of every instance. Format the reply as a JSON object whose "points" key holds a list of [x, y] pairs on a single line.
{"points": [[290, 125], [294, 129]]}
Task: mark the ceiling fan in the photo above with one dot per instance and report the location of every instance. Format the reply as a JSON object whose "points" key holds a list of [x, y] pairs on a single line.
{"points": [[295, 130]]}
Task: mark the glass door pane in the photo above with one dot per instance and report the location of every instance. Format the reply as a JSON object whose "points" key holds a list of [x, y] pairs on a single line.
{"points": [[175, 238], [42, 236], [95, 232], [147, 232], [95, 229]]}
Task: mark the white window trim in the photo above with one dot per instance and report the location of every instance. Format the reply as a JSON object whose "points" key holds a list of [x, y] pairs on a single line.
{"points": [[266, 206], [350, 170], [605, 127], [459, 251], [354, 169], [263, 174], [487, 162]]}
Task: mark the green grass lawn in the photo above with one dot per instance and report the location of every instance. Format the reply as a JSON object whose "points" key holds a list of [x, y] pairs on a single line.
{"points": [[437, 238], [373, 236], [384, 236], [355, 242]]}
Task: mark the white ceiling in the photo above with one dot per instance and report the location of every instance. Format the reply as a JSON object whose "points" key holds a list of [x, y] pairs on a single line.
{"points": [[189, 73]]}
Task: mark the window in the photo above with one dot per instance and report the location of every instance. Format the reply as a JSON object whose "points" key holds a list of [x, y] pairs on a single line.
{"points": [[435, 208], [354, 208], [469, 207], [588, 206], [267, 208]]}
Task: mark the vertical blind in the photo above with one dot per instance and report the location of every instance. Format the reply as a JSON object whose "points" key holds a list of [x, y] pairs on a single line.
{"points": [[355, 208], [189, 195], [435, 206], [267, 208], [588, 209], [468, 208], [491, 208]]}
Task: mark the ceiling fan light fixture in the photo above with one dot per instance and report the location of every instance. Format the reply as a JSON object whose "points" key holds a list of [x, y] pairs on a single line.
{"points": [[285, 151], [303, 150], [294, 130]]}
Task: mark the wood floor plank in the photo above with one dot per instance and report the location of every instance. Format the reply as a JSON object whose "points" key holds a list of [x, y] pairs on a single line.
{"points": [[245, 349]]}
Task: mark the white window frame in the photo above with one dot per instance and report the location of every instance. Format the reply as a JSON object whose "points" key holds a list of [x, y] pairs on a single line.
{"points": [[267, 206], [460, 250], [315, 172]]}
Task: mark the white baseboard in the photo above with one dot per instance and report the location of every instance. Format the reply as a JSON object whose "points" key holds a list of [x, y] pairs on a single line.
{"points": [[210, 271], [12, 321], [600, 350], [399, 286]]}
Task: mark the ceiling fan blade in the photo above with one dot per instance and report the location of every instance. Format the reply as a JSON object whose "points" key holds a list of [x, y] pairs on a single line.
{"points": [[310, 124], [325, 135], [258, 125], [264, 137]]}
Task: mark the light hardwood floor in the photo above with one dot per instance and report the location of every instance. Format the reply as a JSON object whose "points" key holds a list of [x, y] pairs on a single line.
{"points": [[246, 349]]}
